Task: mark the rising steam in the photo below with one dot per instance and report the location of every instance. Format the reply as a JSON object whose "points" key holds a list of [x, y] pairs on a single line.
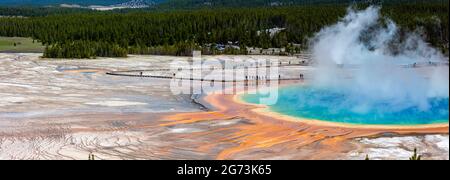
{"points": [[362, 56]]}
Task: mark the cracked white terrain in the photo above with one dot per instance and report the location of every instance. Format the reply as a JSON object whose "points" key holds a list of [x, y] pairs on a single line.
{"points": [[392, 148], [67, 109]]}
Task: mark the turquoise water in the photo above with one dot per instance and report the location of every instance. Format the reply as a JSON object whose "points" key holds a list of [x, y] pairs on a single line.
{"points": [[337, 106]]}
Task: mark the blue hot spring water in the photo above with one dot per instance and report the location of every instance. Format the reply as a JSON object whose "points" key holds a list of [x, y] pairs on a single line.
{"points": [[337, 106]]}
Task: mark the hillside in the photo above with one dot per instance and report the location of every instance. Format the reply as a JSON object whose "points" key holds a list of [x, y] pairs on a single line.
{"points": [[78, 2], [110, 34], [192, 4]]}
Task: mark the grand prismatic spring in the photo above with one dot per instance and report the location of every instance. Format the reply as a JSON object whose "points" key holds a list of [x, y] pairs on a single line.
{"points": [[363, 82], [336, 106], [363, 87]]}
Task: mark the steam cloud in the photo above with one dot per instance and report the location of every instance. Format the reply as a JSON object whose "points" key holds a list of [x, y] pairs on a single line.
{"points": [[363, 58]]}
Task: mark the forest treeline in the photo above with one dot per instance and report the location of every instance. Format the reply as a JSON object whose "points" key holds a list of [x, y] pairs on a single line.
{"points": [[88, 35], [28, 11], [39, 8], [195, 4]]}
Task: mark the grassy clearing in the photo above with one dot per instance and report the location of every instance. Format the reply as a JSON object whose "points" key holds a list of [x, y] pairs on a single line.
{"points": [[20, 44]]}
